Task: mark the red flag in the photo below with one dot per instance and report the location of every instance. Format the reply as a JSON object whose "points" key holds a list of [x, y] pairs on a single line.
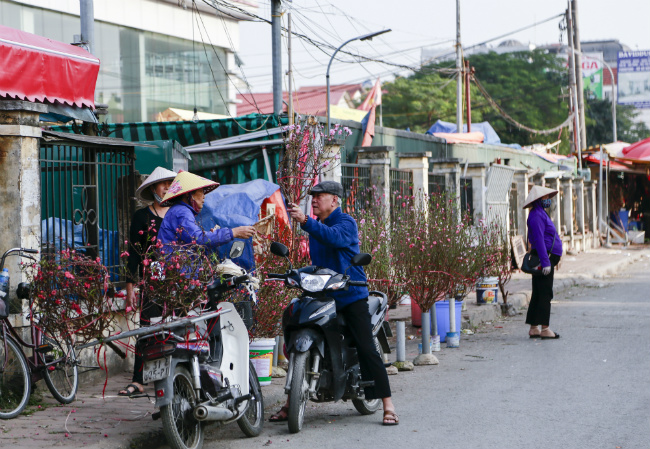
{"points": [[369, 131], [373, 98]]}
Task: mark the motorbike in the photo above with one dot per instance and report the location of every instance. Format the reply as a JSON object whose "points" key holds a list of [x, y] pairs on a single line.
{"points": [[323, 361], [200, 366]]}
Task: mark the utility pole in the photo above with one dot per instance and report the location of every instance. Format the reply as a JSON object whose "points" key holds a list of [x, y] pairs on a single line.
{"points": [[468, 98], [87, 18], [289, 71], [459, 80], [276, 48], [574, 91], [578, 66]]}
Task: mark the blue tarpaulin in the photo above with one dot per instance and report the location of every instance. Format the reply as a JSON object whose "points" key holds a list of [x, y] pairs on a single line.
{"points": [[236, 205], [490, 135]]}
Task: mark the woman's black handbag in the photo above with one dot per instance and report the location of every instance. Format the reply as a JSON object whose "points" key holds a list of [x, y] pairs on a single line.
{"points": [[531, 263]]}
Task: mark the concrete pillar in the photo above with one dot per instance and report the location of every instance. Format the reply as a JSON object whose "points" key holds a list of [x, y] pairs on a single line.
{"points": [[554, 211], [378, 159], [418, 163], [580, 212], [477, 172], [20, 183], [521, 180], [332, 154], [567, 209], [592, 198]]}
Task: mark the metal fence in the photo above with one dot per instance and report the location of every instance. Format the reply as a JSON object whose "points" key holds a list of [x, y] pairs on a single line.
{"points": [[87, 192], [401, 184], [467, 197], [356, 187], [437, 183]]}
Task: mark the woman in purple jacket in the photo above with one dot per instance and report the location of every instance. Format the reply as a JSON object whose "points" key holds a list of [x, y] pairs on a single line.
{"points": [[546, 242]]}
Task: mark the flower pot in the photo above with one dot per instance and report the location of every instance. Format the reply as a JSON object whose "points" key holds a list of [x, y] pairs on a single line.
{"points": [[487, 290]]}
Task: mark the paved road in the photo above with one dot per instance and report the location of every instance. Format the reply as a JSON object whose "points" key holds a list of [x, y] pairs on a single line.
{"points": [[500, 389]]}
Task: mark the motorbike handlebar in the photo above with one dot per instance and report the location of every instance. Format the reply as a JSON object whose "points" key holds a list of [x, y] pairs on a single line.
{"points": [[276, 276], [240, 279], [357, 283]]}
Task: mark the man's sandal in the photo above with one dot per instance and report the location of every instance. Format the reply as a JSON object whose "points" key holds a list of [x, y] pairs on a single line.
{"points": [[281, 416], [392, 418], [128, 392]]}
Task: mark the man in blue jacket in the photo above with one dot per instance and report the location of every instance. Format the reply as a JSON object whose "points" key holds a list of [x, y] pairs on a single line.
{"points": [[333, 242]]}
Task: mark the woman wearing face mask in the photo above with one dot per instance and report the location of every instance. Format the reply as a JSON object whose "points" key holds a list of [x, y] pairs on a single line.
{"points": [[546, 242], [144, 227]]}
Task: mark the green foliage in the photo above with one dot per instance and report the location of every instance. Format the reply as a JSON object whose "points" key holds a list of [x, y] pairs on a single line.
{"points": [[529, 86], [599, 123], [418, 101]]}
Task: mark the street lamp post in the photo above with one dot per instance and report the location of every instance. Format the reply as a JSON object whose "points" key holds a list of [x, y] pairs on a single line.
{"points": [[365, 37]]}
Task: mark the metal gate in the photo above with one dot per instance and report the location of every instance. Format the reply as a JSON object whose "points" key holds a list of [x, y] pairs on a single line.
{"points": [[401, 184], [356, 187], [499, 181], [87, 195]]}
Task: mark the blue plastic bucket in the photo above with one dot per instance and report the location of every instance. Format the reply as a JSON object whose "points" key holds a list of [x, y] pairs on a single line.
{"points": [[487, 291], [442, 315]]}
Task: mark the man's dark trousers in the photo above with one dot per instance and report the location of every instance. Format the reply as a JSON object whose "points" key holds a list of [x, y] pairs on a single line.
{"points": [[372, 367]]}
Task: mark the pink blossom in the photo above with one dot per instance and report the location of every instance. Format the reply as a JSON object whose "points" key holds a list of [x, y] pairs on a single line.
{"points": [[69, 275]]}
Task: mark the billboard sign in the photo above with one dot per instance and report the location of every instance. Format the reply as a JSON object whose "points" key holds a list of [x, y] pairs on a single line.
{"points": [[634, 78], [592, 74]]}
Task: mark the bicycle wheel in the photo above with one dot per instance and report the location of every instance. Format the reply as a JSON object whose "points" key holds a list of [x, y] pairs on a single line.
{"points": [[62, 378], [15, 384]]}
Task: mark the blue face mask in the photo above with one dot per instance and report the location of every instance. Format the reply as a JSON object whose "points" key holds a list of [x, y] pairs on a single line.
{"points": [[546, 203]]}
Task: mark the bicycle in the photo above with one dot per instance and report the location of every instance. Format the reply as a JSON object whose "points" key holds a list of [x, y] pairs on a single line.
{"points": [[52, 359]]}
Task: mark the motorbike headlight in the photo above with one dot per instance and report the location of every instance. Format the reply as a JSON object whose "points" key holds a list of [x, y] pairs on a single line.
{"points": [[323, 309], [314, 282], [336, 285]]}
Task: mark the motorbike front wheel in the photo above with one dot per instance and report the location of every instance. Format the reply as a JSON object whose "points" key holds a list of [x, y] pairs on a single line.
{"points": [[253, 420], [299, 394], [181, 429], [369, 406]]}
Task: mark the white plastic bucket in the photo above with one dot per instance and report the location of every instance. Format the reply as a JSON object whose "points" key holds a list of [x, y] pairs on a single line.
{"points": [[261, 355]]}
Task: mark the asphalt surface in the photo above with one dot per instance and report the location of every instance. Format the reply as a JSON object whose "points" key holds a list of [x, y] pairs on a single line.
{"points": [[500, 389]]}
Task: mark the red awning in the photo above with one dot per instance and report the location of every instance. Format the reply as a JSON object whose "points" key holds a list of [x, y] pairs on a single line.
{"points": [[35, 68], [638, 150]]}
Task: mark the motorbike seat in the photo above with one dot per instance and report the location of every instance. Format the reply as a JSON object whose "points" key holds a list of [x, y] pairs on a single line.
{"points": [[376, 302]]}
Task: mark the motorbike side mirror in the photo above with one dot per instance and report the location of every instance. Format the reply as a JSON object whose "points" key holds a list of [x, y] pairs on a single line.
{"points": [[237, 249], [361, 260], [279, 249]]}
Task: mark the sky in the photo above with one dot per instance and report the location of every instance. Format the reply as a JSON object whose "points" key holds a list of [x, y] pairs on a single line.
{"points": [[418, 23]]}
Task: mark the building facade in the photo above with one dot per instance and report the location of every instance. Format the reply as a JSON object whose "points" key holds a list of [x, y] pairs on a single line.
{"points": [[155, 54]]}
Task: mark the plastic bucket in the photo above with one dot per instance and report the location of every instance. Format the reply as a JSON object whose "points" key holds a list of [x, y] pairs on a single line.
{"points": [[442, 315], [261, 355], [487, 291]]}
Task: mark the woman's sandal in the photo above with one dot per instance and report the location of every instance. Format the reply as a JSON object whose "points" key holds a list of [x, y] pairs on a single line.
{"points": [[392, 417], [129, 393], [281, 416], [554, 337]]}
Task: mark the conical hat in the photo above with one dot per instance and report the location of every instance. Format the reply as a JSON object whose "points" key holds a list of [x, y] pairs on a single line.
{"points": [[186, 182], [159, 174], [536, 193]]}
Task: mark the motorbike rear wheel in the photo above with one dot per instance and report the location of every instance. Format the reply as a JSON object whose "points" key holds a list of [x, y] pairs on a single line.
{"points": [[369, 406], [299, 394], [253, 420], [180, 427]]}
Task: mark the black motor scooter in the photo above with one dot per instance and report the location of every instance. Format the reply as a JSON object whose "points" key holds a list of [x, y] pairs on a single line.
{"points": [[323, 361]]}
